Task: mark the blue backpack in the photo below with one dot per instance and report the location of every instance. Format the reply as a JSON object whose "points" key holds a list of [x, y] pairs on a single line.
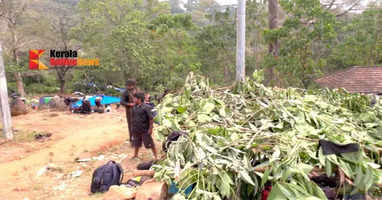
{"points": [[105, 176]]}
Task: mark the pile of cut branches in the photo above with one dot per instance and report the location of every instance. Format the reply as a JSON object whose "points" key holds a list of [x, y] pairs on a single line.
{"points": [[240, 139]]}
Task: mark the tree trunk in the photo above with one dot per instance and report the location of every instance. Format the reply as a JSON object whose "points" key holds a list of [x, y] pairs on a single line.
{"points": [[18, 76], [5, 109], [226, 74], [240, 42], [19, 83], [62, 86], [272, 20], [273, 45], [61, 73]]}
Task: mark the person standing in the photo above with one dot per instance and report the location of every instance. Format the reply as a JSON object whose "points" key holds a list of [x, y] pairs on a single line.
{"points": [[127, 100], [142, 125], [99, 108]]}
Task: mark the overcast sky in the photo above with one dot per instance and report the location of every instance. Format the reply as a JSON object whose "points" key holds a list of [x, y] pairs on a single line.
{"points": [[363, 5], [227, 2], [230, 2]]}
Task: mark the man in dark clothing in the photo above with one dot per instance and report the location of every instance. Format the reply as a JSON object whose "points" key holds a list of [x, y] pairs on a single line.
{"points": [[142, 125], [127, 100]]}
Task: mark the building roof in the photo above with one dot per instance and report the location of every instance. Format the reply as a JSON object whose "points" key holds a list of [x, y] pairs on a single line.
{"points": [[355, 79]]}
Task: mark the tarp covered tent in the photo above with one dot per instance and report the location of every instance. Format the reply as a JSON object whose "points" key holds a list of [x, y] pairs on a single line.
{"points": [[45, 100], [105, 101]]}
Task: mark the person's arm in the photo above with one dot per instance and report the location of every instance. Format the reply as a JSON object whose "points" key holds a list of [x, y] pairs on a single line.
{"points": [[151, 123], [151, 119], [124, 99], [131, 104]]}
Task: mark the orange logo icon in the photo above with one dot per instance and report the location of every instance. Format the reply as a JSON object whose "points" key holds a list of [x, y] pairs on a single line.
{"points": [[34, 60]]}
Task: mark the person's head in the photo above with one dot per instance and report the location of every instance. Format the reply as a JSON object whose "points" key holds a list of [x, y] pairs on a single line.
{"points": [[98, 101], [130, 84], [147, 97], [139, 97]]}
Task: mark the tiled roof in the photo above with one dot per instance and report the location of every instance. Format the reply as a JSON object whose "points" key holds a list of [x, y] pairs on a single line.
{"points": [[355, 79]]}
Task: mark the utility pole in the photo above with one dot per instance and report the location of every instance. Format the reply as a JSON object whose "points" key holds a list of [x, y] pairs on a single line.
{"points": [[5, 110], [240, 42]]}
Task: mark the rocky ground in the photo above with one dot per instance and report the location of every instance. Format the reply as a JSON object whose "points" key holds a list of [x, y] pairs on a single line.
{"points": [[46, 168]]}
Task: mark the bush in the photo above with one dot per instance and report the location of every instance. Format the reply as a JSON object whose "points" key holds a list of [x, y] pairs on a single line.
{"points": [[37, 88], [112, 92], [12, 87]]}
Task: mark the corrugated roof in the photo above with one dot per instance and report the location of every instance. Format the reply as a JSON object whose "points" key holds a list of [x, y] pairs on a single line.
{"points": [[355, 79]]}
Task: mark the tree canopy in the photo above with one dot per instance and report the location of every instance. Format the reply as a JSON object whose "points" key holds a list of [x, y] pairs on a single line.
{"points": [[160, 42]]}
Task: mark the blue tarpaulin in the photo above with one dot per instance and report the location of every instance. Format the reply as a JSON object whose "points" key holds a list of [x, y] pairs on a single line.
{"points": [[174, 189], [105, 100]]}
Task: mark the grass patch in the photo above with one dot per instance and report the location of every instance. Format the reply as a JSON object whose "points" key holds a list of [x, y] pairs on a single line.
{"points": [[26, 136], [21, 135]]}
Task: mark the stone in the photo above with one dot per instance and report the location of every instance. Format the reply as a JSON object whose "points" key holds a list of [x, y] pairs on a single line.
{"points": [[120, 193], [84, 157], [152, 190], [18, 107], [42, 171], [76, 173], [60, 187]]}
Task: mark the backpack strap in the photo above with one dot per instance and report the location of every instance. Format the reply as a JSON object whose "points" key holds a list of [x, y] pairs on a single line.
{"points": [[120, 169]]}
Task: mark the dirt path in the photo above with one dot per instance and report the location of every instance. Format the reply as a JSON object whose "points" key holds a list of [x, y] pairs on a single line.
{"points": [[72, 136]]}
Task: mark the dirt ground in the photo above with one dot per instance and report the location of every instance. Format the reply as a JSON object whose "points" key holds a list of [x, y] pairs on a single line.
{"points": [[97, 136]]}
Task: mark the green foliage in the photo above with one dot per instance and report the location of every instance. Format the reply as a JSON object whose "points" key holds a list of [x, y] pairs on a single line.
{"points": [[307, 24], [158, 52], [278, 128], [37, 88], [164, 22], [158, 43], [216, 48], [360, 41]]}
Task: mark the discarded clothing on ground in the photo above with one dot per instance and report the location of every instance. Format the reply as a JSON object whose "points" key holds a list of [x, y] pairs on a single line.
{"points": [[327, 184], [42, 136], [174, 136], [333, 148], [132, 183], [137, 181], [145, 165]]}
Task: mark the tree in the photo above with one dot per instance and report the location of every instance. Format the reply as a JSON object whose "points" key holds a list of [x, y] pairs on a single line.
{"points": [[216, 48], [11, 11], [341, 7], [173, 51], [359, 40], [62, 19], [175, 6], [306, 24], [140, 41], [273, 43]]}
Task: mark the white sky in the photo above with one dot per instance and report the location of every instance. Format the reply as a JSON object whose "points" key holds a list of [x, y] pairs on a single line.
{"points": [[230, 2]]}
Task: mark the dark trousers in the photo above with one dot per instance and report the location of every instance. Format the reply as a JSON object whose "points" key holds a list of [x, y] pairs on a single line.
{"points": [[129, 116]]}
